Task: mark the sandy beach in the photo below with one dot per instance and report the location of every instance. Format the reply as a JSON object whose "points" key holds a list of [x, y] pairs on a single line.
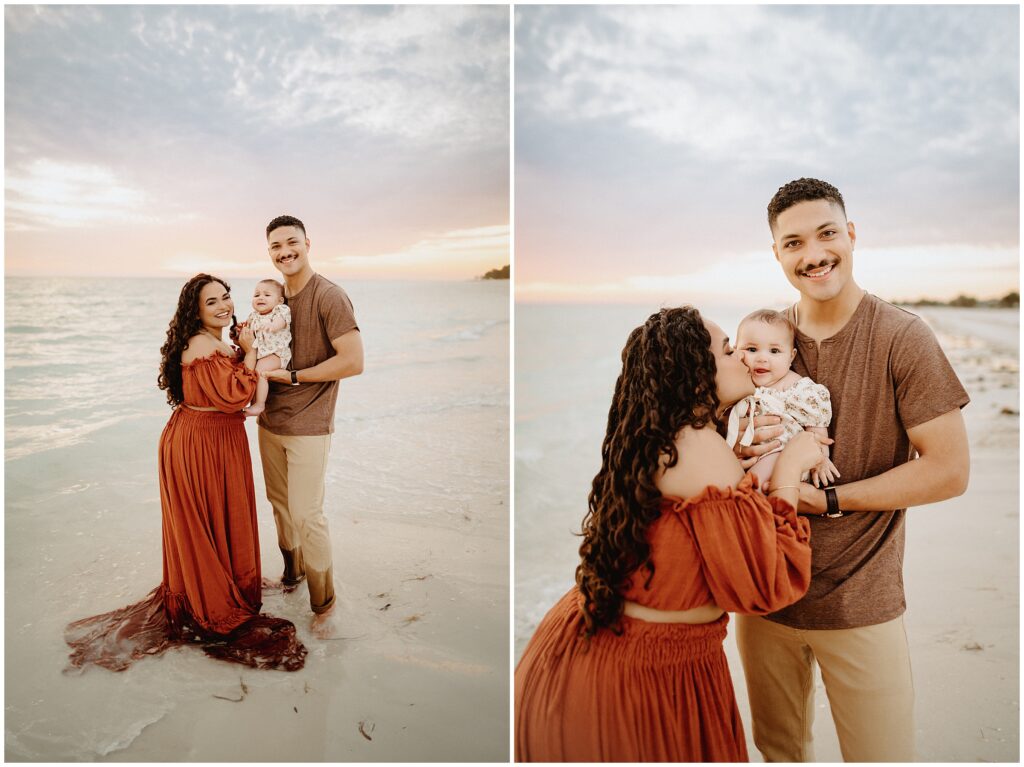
{"points": [[962, 558], [418, 503]]}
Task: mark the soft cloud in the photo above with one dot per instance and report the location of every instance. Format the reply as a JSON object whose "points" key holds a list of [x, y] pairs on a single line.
{"points": [[425, 74], [446, 254], [193, 263], [48, 194], [756, 80]]}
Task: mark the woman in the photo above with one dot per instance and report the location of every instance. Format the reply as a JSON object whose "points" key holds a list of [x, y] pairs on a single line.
{"points": [[629, 666], [211, 589]]}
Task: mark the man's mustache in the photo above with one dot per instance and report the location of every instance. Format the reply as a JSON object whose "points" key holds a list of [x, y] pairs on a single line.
{"points": [[824, 262]]}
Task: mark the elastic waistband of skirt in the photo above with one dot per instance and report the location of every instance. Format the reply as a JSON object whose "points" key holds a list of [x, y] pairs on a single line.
{"points": [[184, 411], [673, 644]]}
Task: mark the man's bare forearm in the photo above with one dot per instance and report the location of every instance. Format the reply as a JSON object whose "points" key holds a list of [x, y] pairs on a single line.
{"points": [[941, 472], [332, 369], [346, 362], [915, 483]]}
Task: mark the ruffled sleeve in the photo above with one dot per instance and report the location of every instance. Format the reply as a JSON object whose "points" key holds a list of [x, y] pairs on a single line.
{"points": [[809, 403], [755, 550], [282, 310], [224, 382]]}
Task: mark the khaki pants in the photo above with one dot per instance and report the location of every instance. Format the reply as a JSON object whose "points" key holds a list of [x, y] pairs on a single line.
{"points": [[867, 678], [294, 469]]}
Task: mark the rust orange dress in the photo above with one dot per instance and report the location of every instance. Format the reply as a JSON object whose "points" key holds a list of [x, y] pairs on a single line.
{"points": [[211, 589], [662, 691]]}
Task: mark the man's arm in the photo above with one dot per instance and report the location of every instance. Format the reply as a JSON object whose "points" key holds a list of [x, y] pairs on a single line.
{"points": [[939, 473], [346, 362]]}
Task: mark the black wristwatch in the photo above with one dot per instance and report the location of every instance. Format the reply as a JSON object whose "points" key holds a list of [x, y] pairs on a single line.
{"points": [[832, 509], [295, 378]]}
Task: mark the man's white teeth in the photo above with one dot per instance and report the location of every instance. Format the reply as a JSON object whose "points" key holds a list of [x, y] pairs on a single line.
{"points": [[821, 271]]}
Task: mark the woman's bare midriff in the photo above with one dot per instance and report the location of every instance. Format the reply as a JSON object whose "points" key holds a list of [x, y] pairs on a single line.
{"points": [[202, 409], [702, 614]]}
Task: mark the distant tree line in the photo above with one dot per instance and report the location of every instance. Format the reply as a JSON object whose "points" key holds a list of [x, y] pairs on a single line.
{"points": [[498, 274], [1010, 301]]}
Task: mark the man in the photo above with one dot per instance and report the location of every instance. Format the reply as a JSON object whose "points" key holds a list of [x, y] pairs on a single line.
{"points": [[893, 393], [296, 426]]}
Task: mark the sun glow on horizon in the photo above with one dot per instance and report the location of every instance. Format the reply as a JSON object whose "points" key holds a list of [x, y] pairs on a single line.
{"points": [[446, 255], [906, 273], [453, 255]]}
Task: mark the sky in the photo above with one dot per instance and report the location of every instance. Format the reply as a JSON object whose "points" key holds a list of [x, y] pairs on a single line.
{"points": [[160, 140], [649, 140]]}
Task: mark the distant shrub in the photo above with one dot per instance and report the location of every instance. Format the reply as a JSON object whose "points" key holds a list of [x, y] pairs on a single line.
{"points": [[499, 274], [962, 300]]}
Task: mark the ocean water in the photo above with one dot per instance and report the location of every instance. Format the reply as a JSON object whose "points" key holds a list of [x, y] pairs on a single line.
{"points": [[421, 439]]}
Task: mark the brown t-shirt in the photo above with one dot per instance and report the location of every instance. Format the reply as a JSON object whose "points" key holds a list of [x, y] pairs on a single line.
{"points": [[321, 312], [886, 373]]}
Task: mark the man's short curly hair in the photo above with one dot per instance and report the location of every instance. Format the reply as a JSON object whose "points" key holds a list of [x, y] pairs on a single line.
{"points": [[802, 190], [285, 221]]}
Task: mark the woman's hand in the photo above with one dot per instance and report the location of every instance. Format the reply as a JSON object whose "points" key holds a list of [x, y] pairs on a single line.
{"points": [[767, 430], [802, 452], [246, 339]]}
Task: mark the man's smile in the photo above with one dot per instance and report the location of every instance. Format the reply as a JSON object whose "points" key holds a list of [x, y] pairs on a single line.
{"points": [[818, 272]]}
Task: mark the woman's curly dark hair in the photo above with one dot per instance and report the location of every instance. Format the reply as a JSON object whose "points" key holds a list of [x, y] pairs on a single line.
{"points": [[667, 382], [184, 324]]}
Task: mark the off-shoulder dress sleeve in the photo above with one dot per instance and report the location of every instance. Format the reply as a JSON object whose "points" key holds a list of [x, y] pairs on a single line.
{"points": [[809, 403], [755, 550], [227, 383]]}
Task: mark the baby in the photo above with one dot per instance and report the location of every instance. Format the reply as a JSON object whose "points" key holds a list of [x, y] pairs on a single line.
{"points": [[765, 340], [271, 322]]}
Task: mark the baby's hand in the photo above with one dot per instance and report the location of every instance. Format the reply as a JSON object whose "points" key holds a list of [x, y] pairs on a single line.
{"points": [[825, 474]]}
